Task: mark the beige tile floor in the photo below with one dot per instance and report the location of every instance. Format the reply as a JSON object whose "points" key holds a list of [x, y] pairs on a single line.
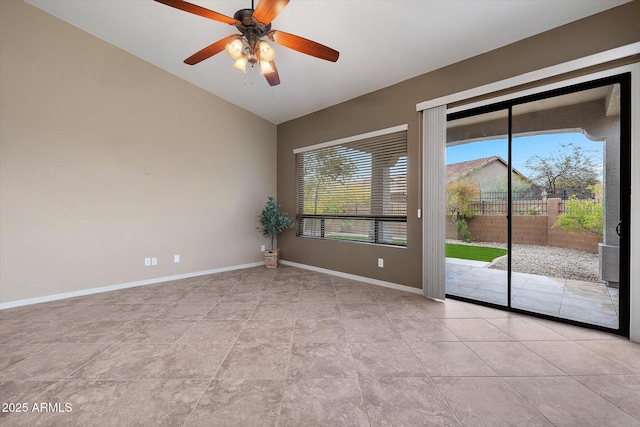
{"points": [[294, 347], [587, 302]]}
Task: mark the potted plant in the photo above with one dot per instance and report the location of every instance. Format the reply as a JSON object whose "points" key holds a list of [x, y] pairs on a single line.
{"points": [[273, 222]]}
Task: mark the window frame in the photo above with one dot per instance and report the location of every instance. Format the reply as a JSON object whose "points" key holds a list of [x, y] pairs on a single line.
{"points": [[378, 220]]}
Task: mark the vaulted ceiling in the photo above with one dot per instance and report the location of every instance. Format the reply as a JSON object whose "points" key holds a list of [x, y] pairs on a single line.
{"points": [[381, 42]]}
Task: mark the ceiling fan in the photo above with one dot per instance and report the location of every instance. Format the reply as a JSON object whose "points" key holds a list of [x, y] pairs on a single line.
{"points": [[248, 46]]}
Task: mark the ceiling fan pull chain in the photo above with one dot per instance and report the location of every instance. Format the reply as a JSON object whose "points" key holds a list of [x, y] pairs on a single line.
{"points": [[253, 82]]}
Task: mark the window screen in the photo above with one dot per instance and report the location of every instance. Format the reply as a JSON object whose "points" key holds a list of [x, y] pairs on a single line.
{"points": [[355, 190]]}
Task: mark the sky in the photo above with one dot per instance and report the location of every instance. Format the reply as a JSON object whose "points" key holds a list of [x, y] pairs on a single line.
{"points": [[524, 148]]}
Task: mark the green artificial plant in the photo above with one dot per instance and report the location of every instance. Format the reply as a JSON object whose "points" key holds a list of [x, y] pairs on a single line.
{"points": [[273, 221]]}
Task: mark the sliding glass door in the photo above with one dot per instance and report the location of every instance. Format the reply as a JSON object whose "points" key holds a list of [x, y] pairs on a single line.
{"points": [[538, 204], [477, 175]]}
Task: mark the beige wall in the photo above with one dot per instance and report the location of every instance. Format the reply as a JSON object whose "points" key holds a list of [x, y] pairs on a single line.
{"points": [[106, 160], [396, 105], [494, 177]]}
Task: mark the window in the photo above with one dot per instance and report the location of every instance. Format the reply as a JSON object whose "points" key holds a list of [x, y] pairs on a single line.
{"points": [[354, 189]]}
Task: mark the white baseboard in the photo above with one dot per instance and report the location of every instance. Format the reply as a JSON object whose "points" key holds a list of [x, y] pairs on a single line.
{"points": [[91, 291], [355, 277], [56, 297]]}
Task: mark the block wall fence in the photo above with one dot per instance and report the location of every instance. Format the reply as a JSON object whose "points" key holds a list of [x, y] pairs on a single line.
{"points": [[528, 230]]}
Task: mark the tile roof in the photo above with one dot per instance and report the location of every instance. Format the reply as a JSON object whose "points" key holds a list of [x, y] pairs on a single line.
{"points": [[459, 170]]}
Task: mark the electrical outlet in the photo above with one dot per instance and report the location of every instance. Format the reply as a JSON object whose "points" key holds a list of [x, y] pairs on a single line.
{"points": [[147, 262], [176, 259], [262, 248], [154, 261], [380, 262]]}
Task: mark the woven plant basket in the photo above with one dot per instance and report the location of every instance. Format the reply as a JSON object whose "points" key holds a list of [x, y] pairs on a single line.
{"points": [[271, 258]]}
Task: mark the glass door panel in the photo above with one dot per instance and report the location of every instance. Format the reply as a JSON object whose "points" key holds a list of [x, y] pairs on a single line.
{"points": [[477, 175], [565, 193]]}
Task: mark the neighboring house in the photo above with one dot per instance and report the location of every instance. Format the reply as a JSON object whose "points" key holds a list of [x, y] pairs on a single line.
{"points": [[488, 173]]}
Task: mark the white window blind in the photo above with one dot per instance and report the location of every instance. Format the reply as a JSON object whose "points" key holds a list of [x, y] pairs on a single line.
{"points": [[355, 190]]}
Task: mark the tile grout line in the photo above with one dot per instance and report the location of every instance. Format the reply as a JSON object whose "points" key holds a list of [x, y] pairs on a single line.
{"points": [[286, 371], [353, 361], [603, 396], [213, 378]]}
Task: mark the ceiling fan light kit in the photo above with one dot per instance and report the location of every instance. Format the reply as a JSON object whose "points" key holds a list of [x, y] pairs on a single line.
{"points": [[234, 49], [241, 64], [266, 52], [248, 46], [262, 53], [265, 67]]}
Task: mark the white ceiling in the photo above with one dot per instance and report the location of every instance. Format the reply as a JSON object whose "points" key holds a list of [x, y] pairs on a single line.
{"points": [[381, 42]]}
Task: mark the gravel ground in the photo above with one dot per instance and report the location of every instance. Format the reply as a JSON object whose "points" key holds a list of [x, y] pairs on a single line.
{"points": [[547, 261]]}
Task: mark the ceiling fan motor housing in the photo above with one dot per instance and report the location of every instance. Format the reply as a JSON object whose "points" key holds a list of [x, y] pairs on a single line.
{"points": [[245, 16]]}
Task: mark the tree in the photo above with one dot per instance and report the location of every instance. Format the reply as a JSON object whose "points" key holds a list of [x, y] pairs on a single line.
{"points": [[321, 168], [598, 191], [273, 221], [460, 195], [568, 167]]}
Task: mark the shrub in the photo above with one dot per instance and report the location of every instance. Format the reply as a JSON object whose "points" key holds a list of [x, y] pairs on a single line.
{"points": [[463, 228], [459, 204], [581, 215]]}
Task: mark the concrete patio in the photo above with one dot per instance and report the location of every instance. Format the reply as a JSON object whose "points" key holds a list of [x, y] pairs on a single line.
{"points": [[587, 302]]}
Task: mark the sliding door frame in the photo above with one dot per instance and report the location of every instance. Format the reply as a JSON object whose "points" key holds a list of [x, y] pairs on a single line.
{"points": [[434, 284], [624, 80]]}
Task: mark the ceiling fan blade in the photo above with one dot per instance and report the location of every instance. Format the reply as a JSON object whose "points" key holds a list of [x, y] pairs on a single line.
{"points": [[201, 11], [267, 10], [303, 45], [273, 78], [210, 50]]}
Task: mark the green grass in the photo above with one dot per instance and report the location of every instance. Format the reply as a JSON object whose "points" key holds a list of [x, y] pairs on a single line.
{"points": [[347, 237], [477, 253]]}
